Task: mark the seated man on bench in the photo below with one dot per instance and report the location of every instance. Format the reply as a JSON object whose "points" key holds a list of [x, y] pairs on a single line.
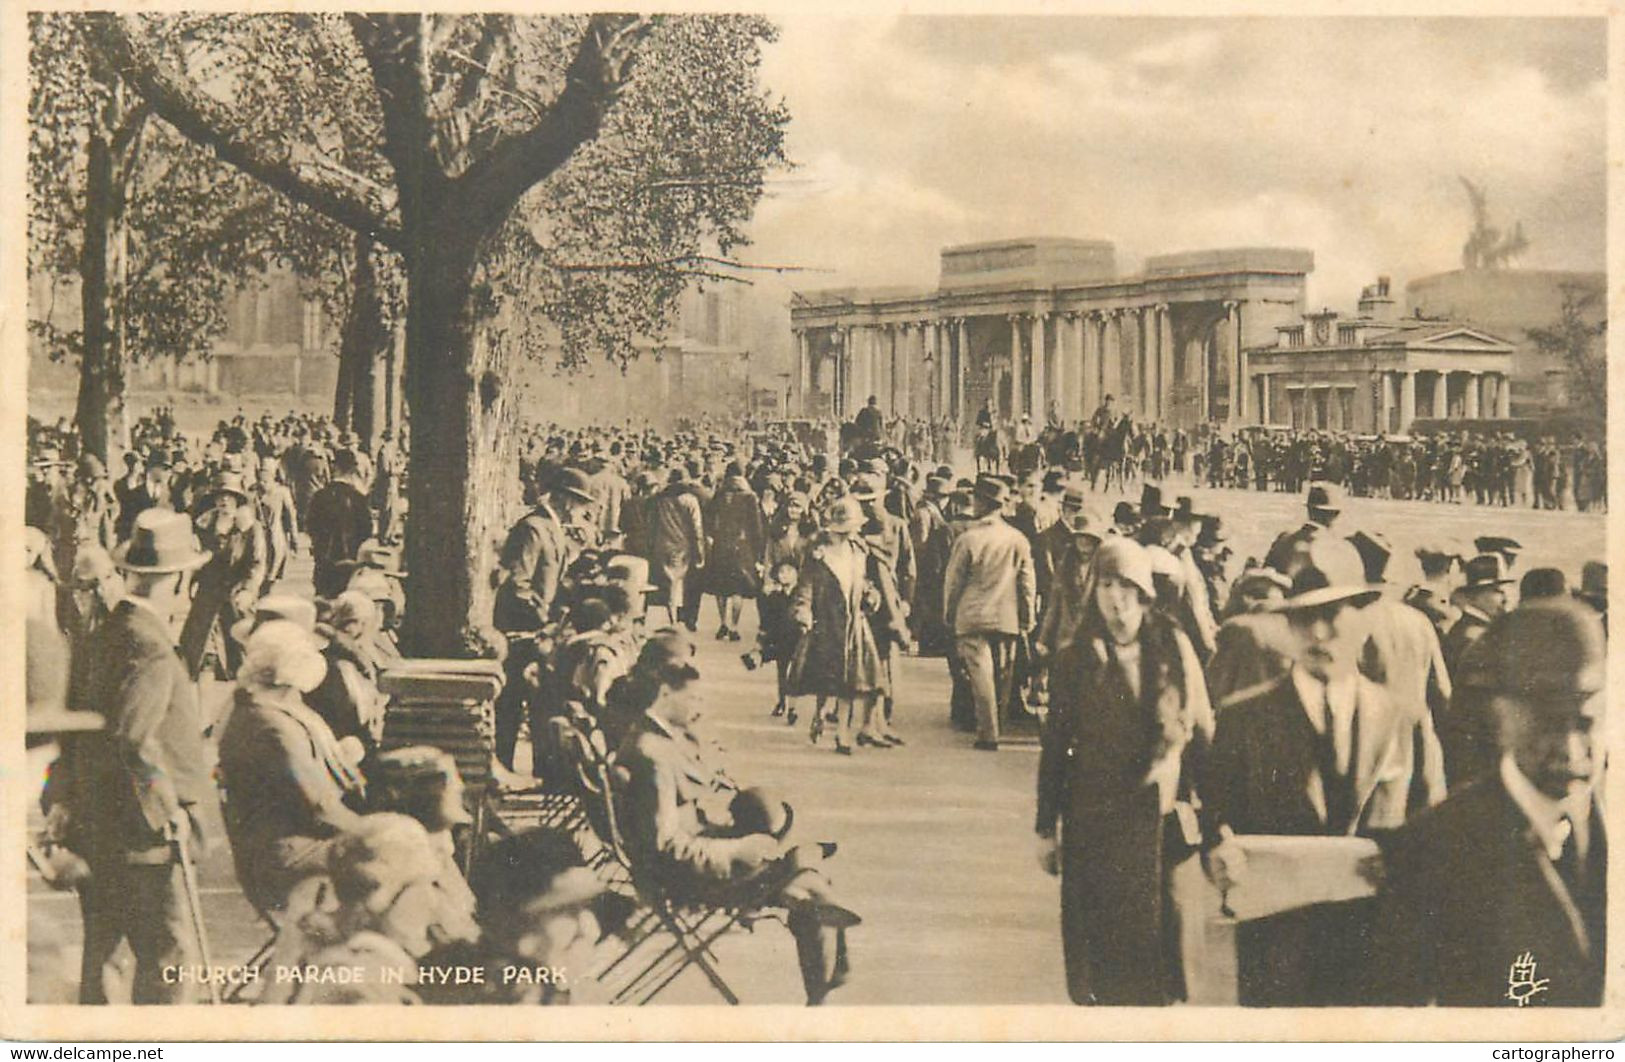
{"points": [[733, 854]]}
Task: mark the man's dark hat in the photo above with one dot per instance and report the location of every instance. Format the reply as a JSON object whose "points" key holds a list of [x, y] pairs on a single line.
{"points": [[1552, 646], [1125, 513], [992, 490], [573, 483], [1542, 582], [1151, 502], [1486, 569], [1212, 532], [1508, 548]]}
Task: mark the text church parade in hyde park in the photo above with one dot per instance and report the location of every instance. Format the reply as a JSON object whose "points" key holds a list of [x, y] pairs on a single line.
{"points": [[1202, 648]]}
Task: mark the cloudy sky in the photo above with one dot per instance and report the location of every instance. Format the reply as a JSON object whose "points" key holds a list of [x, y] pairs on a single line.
{"points": [[1344, 136]]}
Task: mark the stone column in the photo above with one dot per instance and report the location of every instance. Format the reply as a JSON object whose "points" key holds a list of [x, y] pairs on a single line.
{"points": [[1111, 357], [1385, 402], [1164, 363], [800, 394], [1407, 400], [1264, 410], [1018, 387], [1441, 396], [1232, 357], [1503, 396], [1469, 400], [1088, 362], [961, 367], [1039, 384]]}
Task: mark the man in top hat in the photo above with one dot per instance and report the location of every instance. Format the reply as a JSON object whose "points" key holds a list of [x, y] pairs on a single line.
{"points": [[989, 601], [1319, 752], [1151, 505], [1498, 896], [1481, 598], [230, 583], [339, 520], [134, 791]]}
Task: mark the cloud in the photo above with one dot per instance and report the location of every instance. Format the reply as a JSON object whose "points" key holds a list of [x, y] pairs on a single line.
{"points": [[1343, 136]]}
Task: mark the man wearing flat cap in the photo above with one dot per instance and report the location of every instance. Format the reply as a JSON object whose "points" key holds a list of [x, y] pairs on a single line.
{"points": [[136, 786], [1319, 752], [1497, 897]]}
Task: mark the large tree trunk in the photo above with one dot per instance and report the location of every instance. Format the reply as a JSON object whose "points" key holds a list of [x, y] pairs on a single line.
{"points": [[459, 419], [365, 342], [100, 411]]}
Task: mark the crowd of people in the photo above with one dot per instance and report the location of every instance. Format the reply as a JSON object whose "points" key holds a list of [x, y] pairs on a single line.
{"points": [[1113, 445], [1185, 699]]}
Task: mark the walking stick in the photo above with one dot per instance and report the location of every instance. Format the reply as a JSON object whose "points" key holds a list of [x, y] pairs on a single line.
{"points": [[194, 907]]}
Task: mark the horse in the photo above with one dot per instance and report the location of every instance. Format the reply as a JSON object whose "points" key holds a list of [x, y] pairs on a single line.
{"points": [[989, 450]]}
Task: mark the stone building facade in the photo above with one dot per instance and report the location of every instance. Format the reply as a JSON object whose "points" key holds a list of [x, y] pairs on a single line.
{"points": [[1045, 326]]}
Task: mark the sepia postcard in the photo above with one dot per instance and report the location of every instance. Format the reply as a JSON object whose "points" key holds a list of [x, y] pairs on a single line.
{"points": [[821, 522]]}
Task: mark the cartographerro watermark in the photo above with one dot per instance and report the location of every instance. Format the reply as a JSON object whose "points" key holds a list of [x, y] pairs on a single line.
{"points": [[1550, 1054]]}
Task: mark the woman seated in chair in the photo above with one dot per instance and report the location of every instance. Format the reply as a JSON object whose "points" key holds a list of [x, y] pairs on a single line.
{"points": [[701, 842], [289, 785]]}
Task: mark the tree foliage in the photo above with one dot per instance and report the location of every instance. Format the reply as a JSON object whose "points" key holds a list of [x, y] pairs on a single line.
{"points": [[572, 169], [1577, 337]]}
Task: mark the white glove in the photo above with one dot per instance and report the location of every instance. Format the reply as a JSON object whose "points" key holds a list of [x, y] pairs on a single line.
{"points": [[1227, 864]]}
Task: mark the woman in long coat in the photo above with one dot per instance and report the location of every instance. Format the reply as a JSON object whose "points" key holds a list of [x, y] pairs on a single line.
{"points": [[1128, 702], [841, 602], [733, 523]]}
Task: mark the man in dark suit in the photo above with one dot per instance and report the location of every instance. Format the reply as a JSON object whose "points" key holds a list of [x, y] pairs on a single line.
{"points": [[1497, 897], [339, 521], [135, 786], [1318, 752]]}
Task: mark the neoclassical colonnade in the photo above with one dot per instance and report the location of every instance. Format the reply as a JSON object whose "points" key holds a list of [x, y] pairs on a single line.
{"points": [[1061, 359], [1449, 394]]}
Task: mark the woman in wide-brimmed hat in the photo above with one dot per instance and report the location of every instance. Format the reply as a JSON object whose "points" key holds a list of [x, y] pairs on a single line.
{"points": [[230, 583]]}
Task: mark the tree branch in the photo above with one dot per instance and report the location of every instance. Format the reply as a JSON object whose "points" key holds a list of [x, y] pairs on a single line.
{"points": [[393, 46], [211, 125], [603, 61]]}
